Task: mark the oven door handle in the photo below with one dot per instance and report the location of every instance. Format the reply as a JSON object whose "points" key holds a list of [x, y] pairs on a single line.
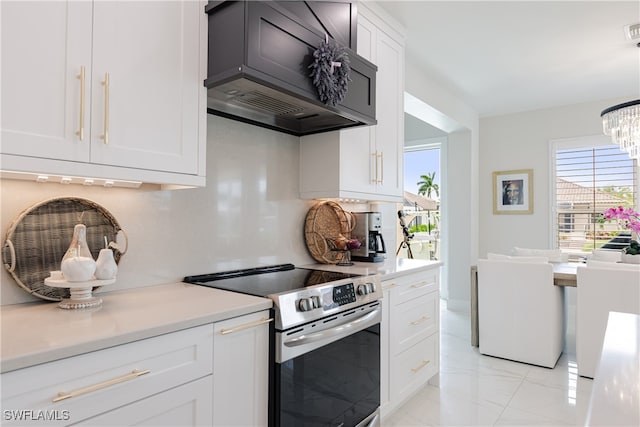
{"points": [[342, 329]]}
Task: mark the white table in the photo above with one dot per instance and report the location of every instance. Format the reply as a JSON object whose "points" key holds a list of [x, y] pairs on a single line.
{"points": [[615, 396]]}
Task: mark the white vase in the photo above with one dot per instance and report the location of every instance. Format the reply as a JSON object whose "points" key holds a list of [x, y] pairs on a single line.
{"points": [[77, 264], [630, 259]]}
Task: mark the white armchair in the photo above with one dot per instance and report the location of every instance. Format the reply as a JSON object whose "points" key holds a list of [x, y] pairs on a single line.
{"points": [[602, 287], [520, 311]]}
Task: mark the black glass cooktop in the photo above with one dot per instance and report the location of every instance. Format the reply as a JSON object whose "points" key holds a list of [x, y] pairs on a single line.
{"points": [[263, 281]]}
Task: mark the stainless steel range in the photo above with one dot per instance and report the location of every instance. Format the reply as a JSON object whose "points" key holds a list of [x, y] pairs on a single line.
{"points": [[325, 342]]}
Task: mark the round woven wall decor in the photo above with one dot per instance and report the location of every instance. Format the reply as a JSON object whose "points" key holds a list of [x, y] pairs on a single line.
{"points": [[38, 238], [324, 222]]}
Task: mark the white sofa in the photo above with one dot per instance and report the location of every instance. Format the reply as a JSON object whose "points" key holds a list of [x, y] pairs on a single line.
{"points": [[520, 310], [602, 287]]}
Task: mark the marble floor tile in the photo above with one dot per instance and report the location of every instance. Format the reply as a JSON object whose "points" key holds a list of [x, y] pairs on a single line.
{"points": [[476, 390]]}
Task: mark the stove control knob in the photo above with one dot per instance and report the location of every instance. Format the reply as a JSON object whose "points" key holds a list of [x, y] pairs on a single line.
{"points": [[316, 301], [363, 289], [305, 304], [371, 287]]}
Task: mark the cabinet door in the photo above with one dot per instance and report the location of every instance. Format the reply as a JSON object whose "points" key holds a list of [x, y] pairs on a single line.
{"points": [[186, 405], [390, 114], [44, 46], [241, 371], [357, 149], [150, 110]]}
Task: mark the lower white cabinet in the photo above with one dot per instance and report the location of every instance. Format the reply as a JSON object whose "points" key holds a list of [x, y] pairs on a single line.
{"points": [[241, 371], [76, 389], [412, 333], [214, 374]]}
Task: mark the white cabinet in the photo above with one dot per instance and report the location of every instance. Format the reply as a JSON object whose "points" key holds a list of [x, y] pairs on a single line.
{"points": [[241, 371], [105, 89], [363, 163], [215, 374], [412, 356], [165, 376]]}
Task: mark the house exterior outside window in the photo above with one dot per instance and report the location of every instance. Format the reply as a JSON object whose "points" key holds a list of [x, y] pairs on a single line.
{"points": [[589, 176]]}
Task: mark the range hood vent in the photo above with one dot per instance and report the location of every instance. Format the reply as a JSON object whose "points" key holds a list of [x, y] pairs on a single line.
{"points": [[265, 102], [258, 68]]}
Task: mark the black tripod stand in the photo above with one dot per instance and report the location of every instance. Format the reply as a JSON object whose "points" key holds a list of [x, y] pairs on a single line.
{"points": [[407, 236]]}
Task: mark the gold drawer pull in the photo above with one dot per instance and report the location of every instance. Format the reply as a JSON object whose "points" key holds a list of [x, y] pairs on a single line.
{"points": [[420, 320], [420, 285], [134, 374], [422, 365], [243, 327]]}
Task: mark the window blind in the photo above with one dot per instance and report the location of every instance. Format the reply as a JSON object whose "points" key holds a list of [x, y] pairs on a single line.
{"points": [[589, 180]]}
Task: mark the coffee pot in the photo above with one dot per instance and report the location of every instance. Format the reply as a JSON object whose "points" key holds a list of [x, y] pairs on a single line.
{"points": [[368, 230]]}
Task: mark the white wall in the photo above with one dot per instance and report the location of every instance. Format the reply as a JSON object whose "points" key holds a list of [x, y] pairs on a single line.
{"points": [[521, 141], [249, 214], [459, 192]]}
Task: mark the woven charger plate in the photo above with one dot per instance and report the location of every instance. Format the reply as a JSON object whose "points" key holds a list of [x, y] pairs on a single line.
{"points": [[324, 222], [37, 240]]}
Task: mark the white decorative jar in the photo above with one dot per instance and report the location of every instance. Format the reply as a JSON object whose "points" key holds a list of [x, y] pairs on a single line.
{"points": [[78, 264], [106, 267]]}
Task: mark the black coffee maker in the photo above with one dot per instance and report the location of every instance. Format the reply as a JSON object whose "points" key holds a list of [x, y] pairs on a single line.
{"points": [[367, 230]]}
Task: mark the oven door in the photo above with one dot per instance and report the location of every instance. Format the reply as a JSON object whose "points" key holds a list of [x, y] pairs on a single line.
{"points": [[332, 375]]}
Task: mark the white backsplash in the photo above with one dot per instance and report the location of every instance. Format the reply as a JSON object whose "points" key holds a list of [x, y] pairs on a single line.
{"points": [[248, 214]]}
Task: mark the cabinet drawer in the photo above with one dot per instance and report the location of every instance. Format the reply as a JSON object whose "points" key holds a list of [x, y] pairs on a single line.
{"points": [[415, 320], [411, 286], [186, 405], [102, 379], [412, 369]]}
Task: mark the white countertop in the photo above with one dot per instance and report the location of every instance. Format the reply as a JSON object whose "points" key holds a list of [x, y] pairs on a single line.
{"points": [[390, 268], [615, 396], [40, 332]]}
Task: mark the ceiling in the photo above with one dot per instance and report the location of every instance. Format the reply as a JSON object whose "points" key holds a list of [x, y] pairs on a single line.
{"points": [[503, 57]]}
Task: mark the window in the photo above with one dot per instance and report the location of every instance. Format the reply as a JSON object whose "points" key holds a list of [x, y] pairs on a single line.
{"points": [[590, 175]]}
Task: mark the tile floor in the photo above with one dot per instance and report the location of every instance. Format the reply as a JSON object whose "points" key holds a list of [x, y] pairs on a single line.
{"points": [[477, 390]]}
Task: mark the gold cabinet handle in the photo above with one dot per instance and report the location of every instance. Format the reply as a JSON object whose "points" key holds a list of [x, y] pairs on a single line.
{"points": [[420, 285], [381, 154], [134, 374], [105, 83], [420, 320], [374, 178], [81, 77], [246, 326], [422, 365]]}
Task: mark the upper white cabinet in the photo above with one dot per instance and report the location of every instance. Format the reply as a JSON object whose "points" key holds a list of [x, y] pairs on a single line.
{"points": [[105, 89], [364, 162]]}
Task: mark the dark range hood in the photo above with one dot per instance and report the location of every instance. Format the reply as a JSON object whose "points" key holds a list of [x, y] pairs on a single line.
{"points": [[258, 68]]}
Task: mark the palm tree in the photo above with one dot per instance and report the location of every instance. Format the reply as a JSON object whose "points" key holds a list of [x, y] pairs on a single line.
{"points": [[426, 185]]}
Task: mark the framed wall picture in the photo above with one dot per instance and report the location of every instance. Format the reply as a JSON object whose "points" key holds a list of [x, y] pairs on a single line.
{"points": [[513, 192]]}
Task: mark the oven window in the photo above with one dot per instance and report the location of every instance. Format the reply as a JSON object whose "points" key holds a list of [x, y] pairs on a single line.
{"points": [[335, 385]]}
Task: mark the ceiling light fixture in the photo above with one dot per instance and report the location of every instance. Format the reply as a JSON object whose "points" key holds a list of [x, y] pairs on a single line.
{"points": [[622, 123]]}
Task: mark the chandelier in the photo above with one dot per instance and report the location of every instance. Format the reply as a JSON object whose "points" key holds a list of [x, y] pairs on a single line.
{"points": [[622, 123]]}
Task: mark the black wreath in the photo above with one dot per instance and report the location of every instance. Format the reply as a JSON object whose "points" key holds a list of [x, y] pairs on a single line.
{"points": [[330, 72]]}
